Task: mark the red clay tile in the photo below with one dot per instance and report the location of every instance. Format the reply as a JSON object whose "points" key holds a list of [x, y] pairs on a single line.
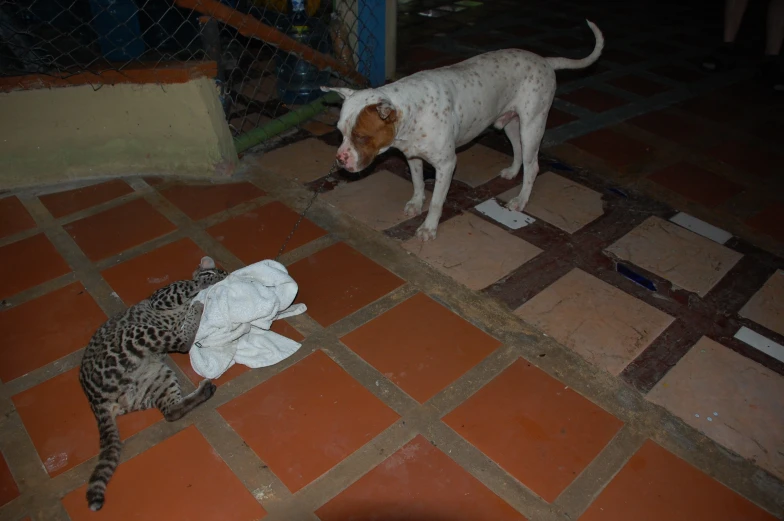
{"points": [[305, 420], [46, 329], [716, 108], [556, 118], [259, 234], [621, 57], [71, 201], [746, 156], [117, 229], [58, 418], [594, 100], [338, 281], [138, 278], [616, 149], [678, 73], [418, 482], [696, 183], [8, 489], [40, 260], [671, 126], [769, 220], [180, 479], [281, 327], [153, 181], [421, 346], [638, 85], [656, 484], [200, 201], [532, 425], [14, 217]]}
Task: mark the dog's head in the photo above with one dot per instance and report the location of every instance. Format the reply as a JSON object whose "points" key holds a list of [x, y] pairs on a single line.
{"points": [[367, 120]]}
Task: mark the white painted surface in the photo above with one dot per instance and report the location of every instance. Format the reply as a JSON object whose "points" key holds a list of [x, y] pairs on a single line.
{"points": [[505, 216], [764, 344], [701, 227]]}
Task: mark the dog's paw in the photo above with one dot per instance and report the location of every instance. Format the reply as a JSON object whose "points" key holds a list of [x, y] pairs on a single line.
{"points": [[517, 204], [426, 233], [413, 207], [509, 172]]}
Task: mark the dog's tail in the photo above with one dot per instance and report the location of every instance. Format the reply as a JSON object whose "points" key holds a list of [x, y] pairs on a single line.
{"points": [[568, 63]]}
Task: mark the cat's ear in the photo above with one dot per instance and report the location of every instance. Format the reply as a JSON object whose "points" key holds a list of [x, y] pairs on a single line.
{"points": [[207, 263]]}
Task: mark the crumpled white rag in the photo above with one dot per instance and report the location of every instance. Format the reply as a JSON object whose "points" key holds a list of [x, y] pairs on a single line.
{"points": [[238, 312]]}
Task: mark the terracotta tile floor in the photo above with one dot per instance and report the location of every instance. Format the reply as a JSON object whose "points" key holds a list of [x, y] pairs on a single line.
{"points": [[600, 362]]}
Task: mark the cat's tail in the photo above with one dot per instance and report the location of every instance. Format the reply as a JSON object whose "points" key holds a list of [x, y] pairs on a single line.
{"points": [[107, 460]]}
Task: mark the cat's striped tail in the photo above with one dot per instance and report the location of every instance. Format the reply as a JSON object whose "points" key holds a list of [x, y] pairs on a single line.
{"points": [[107, 460]]}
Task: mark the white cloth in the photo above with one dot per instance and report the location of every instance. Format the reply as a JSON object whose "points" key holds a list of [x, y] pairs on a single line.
{"points": [[238, 312]]}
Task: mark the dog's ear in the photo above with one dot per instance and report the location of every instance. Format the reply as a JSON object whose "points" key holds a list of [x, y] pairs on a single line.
{"points": [[386, 111], [341, 91]]}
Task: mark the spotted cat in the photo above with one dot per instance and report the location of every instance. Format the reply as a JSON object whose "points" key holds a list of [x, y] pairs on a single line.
{"points": [[124, 370]]}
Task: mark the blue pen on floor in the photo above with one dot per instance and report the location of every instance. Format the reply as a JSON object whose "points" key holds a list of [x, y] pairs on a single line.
{"points": [[635, 277]]}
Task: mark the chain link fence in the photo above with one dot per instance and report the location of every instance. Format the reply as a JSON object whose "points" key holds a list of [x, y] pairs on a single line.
{"points": [[265, 64]]}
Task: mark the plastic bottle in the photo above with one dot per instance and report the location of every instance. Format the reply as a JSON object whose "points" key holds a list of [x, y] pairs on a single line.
{"points": [[117, 24]]}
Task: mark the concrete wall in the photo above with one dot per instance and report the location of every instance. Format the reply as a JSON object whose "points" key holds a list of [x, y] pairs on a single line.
{"points": [[59, 134]]}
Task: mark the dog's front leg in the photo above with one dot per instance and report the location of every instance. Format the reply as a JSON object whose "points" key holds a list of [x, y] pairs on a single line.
{"points": [[444, 171], [415, 204]]}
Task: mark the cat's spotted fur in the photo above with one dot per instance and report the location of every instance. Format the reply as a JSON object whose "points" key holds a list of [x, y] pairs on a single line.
{"points": [[124, 370]]}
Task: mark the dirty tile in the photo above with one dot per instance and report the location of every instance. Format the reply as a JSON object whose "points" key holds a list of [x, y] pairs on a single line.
{"points": [[180, 479], [58, 418], [696, 183], [41, 263], [616, 149], [556, 118], [655, 484], [8, 489], [768, 221], [378, 200], [14, 217], [317, 128], [687, 260], [766, 307], [118, 229], [338, 281], [479, 164], [280, 327], [669, 125], [136, 279], [200, 201], [604, 325], [56, 324], [305, 420], [258, 234], [421, 346], [593, 100], [561, 202], [638, 85], [541, 432], [414, 483], [303, 161], [472, 251], [60, 204]]}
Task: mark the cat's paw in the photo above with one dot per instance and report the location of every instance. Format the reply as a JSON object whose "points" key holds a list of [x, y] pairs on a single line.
{"points": [[207, 389]]}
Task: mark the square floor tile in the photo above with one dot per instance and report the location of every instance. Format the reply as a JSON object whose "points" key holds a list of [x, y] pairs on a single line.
{"points": [[14, 217], [696, 183], [421, 346], [669, 125], [687, 260], [616, 149], [200, 201], [258, 234], [593, 100], [117, 229], [378, 200], [46, 329], [64, 203], [418, 482], [138, 278], [304, 161], [8, 489], [656, 485], [472, 251], [41, 263], [338, 281], [556, 118], [537, 429], [604, 325], [638, 85], [768, 221], [561, 202], [766, 307], [479, 164], [58, 418], [733, 400], [180, 479], [748, 157], [280, 327], [677, 73], [305, 420]]}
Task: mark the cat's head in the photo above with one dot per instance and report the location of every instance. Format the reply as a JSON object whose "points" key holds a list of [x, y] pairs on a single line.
{"points": [[207, 273]]}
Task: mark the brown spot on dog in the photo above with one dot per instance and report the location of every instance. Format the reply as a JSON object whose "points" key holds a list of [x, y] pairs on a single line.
{"points": [[371, 132]]}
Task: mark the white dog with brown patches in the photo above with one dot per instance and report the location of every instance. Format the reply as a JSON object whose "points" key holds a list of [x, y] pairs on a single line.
{"points": [[428, 115]]}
